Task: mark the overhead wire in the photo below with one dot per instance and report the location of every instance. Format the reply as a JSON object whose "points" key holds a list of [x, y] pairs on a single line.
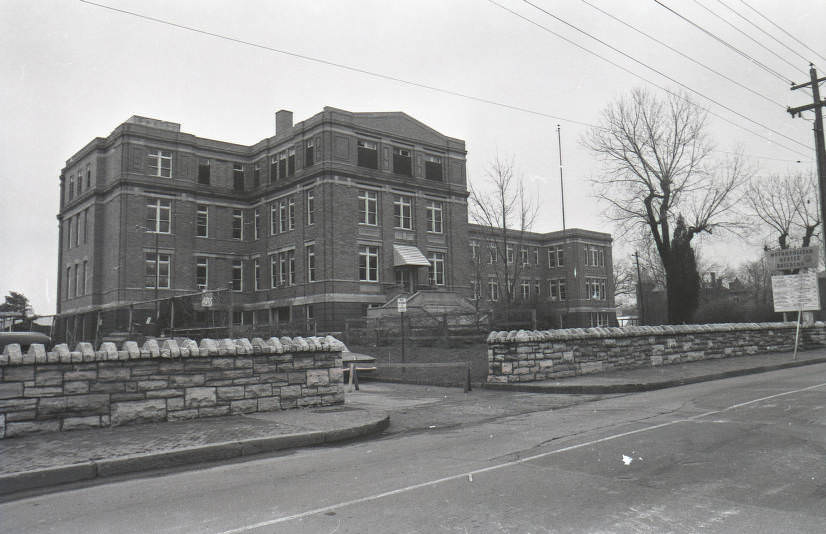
{"points": [[726, 44], [684, 55], [339, 65], [649, 67], [784, 45], [770, 21], [434, 88], [749, 37]]}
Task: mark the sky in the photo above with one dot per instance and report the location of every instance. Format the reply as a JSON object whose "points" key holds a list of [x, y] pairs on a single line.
{"points": [[71, 71]]}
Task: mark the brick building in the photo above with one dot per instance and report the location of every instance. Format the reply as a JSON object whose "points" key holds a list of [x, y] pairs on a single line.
{"points": [[567, 276], [324, 219]]}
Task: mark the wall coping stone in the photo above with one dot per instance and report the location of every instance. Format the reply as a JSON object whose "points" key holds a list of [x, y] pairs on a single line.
{"points": [[522, 336], [173, 349]]}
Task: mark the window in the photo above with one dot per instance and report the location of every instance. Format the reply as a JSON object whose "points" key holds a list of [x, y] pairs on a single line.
{"points": [[436, 270], [434, 217], [201, 272], [595, 288], [310, 312], [402, 162], [85, 225], [556, 256], [237, 275], [88, 175], [368, 263], [158, 216], [286, 268], [308, 153], [238, 176], [433, 168], [71, 187], [310, 255], [203, 171], [256, 226], [402, 212], [368, 206], [202, 221], [68, 282], [493, 290], [310, 207], [474, 251], [595, 256], [563, 290], [273, 168], [286, 215], [557, 290], [368, 155], [523, 256], [77, 230], [536, 256], [291, 162], [256, 174], [274, 270], [273, 219], [160, 163], [475, 289], [492, 253], [509, 254], [537, 291], [83, 278], [282, 165], [256, 273], [598, 319], [525, 289], [238, 224], [78, 282], [79, 183], [157, 270]]}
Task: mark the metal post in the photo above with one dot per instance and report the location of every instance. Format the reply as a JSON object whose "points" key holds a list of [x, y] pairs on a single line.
{"points": [[401, 315], [640, 290]]}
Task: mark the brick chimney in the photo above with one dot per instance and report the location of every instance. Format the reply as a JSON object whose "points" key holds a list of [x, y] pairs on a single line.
{"points": [[283, 121]]}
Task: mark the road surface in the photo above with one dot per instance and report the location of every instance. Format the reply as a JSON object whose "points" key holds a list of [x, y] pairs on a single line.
{"points": [[745, 454]]}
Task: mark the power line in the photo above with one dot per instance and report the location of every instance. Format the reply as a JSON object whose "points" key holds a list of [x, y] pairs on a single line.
{"points": [[801, 43], [686, 56], [727, 44], [437, 89], [632, 73], [747, 36], [649, 67], [340, 65]]}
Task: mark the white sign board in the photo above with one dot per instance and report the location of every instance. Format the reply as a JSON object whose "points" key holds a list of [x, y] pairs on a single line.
{"points": [[792, 258], [206, 300], [795, 292], [401, 302]]}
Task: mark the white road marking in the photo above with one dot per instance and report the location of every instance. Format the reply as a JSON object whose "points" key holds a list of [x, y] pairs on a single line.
{"points": [[469, 474]]}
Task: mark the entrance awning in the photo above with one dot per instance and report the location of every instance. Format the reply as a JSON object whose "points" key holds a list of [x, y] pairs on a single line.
{"points": [[407, 255]]}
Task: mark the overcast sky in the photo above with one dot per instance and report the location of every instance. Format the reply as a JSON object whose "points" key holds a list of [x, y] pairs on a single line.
{"points": [[73, 71]]}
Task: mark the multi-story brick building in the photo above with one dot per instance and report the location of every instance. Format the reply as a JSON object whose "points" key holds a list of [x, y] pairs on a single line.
{"points": [[322, 220], [566, 275]]}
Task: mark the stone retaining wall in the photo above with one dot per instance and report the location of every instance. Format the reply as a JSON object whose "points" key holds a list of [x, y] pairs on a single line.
{"points": [[172, 381], [525, 356]]}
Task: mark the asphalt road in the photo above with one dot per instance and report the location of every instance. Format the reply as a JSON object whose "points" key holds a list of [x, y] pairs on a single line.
{"points": [[744, 454]]}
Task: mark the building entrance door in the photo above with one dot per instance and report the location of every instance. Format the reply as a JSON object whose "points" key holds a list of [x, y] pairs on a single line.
{"points": [[406, 278]]}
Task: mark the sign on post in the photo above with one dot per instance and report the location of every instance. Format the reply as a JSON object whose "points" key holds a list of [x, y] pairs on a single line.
{"points": [[795, 292], [206, 300], [401, 303], [788, 259]]}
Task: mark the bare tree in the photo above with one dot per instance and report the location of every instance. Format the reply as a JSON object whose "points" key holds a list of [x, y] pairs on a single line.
{"points": [[658, 169], [625, 279], [786, 207], [505, 213]]}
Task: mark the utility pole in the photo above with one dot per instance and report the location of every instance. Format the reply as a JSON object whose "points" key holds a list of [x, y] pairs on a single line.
{"points": [[640, 291], [820, 146], [561, 183]]}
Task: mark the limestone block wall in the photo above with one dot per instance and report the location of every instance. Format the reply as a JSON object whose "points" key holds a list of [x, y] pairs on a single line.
{"points": [[525, 356], [168, 381]]}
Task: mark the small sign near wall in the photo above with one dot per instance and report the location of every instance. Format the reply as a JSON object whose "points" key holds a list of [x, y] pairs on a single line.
{"points": [[792, 258], [401, 304], [795, 292], [206, 300]]}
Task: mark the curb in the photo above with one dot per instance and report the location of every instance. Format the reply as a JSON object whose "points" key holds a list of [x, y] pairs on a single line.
{"points": [[89, 470], [595, 389]]}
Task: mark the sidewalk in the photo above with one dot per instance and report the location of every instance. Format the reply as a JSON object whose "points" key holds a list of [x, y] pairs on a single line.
{"points": [[666, 376], [45, 460]]}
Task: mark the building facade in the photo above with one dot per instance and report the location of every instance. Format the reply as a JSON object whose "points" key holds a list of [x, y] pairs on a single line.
{"points": [[324, 219]]}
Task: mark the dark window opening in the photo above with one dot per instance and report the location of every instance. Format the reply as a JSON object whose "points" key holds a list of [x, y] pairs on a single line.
{"points": [[291, 163], [238, 177], [402, 162], [203, 172], [273, 169], [308, 154], [433, 168], [256, 175], [368, 155]]}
